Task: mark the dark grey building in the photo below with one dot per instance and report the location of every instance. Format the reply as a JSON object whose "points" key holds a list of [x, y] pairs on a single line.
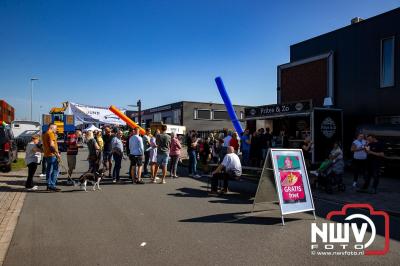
{"points": [[354, 68], [197, 116]]}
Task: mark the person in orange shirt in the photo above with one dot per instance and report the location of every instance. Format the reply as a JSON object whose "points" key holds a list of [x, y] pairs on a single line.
{"points": [[51, 155]]}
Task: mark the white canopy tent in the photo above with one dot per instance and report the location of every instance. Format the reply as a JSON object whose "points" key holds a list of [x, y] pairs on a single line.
{"points": [[92, 128]]}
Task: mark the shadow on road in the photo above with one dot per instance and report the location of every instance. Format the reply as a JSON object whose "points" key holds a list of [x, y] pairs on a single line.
{"points": [[12, 175], [190, 193], [231, 198], [12, 189], [20, 182], [21, 189], [238, 218]]}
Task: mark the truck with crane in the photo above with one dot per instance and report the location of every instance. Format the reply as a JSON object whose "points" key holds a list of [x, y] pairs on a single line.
{"points": [[65, 123]]}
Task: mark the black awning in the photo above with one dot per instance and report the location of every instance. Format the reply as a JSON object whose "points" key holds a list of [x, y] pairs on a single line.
{"points": [[277, 110]]}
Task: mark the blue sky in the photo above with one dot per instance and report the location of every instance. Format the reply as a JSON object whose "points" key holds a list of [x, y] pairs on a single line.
{"points": [[115, 52]]}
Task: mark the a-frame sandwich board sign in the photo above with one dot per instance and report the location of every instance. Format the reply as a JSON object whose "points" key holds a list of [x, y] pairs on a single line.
{"points": [[284, 179]]}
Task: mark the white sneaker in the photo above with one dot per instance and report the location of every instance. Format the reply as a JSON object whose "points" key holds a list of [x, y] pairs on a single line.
{"points": [[42, 175], [197, 176], [33, 188], [354, 184]]}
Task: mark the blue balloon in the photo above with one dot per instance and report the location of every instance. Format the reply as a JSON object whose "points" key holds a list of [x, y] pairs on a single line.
{"points": [[229, 106]]}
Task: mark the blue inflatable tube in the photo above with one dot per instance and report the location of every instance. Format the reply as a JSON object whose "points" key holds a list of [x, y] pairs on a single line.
{"points": [[229, 106]]}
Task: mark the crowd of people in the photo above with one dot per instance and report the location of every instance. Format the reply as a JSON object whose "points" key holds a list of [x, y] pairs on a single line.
{"points": [[367, 161], [110, 146], [368, 154], [147, 156], [158, 150], [252, 147], [152, 150], [107, 148]]}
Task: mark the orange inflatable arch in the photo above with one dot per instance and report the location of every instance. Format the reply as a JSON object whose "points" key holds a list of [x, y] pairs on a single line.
{"points": [[126, 119]]}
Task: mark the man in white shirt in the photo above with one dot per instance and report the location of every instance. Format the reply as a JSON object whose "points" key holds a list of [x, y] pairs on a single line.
{"points": [[230, 168], [358, 148], [136, 150]]}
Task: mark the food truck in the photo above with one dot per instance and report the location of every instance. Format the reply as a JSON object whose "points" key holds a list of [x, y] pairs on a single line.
{"points": [[291, 123]]}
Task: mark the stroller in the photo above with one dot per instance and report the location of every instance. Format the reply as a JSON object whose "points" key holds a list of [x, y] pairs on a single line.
{"points": [[329, 176]]}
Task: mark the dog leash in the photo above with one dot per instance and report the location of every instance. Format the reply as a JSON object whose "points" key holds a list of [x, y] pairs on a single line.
{"points": [[62, 165]]}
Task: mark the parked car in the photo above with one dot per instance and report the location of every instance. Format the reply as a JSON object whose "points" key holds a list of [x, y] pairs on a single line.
{"points": [[23, 132], [8, 148]]}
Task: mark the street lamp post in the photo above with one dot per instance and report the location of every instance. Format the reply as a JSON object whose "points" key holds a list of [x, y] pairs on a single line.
{"points": [[40, 112], [139, 106], [32, 79]]}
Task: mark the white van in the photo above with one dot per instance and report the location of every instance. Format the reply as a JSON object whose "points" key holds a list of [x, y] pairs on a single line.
{"points": [[23, 131]]}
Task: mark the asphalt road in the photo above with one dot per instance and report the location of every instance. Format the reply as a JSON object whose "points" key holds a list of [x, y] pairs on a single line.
{"points": [[164, 224]]}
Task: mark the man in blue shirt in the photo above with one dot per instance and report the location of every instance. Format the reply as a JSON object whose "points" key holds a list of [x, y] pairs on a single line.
{"points": [[136, 150], [245, 140]]}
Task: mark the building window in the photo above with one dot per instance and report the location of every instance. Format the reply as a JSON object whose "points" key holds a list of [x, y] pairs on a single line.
{"points": [[157, 117], [202, 114], [220, 115], [167, 120], [241, 115], [387, 62], [59, 117], [177, 117]]}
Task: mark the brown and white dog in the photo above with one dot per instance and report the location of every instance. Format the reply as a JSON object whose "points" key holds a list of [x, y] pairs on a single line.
{"points": [[94, 177]]}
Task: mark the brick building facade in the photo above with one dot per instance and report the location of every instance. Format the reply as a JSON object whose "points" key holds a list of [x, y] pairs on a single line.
{"points": [[354, 68]]}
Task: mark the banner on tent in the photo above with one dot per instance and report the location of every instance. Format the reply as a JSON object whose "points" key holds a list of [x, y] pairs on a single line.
{"points": [[93, 114], [284, 178]]}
